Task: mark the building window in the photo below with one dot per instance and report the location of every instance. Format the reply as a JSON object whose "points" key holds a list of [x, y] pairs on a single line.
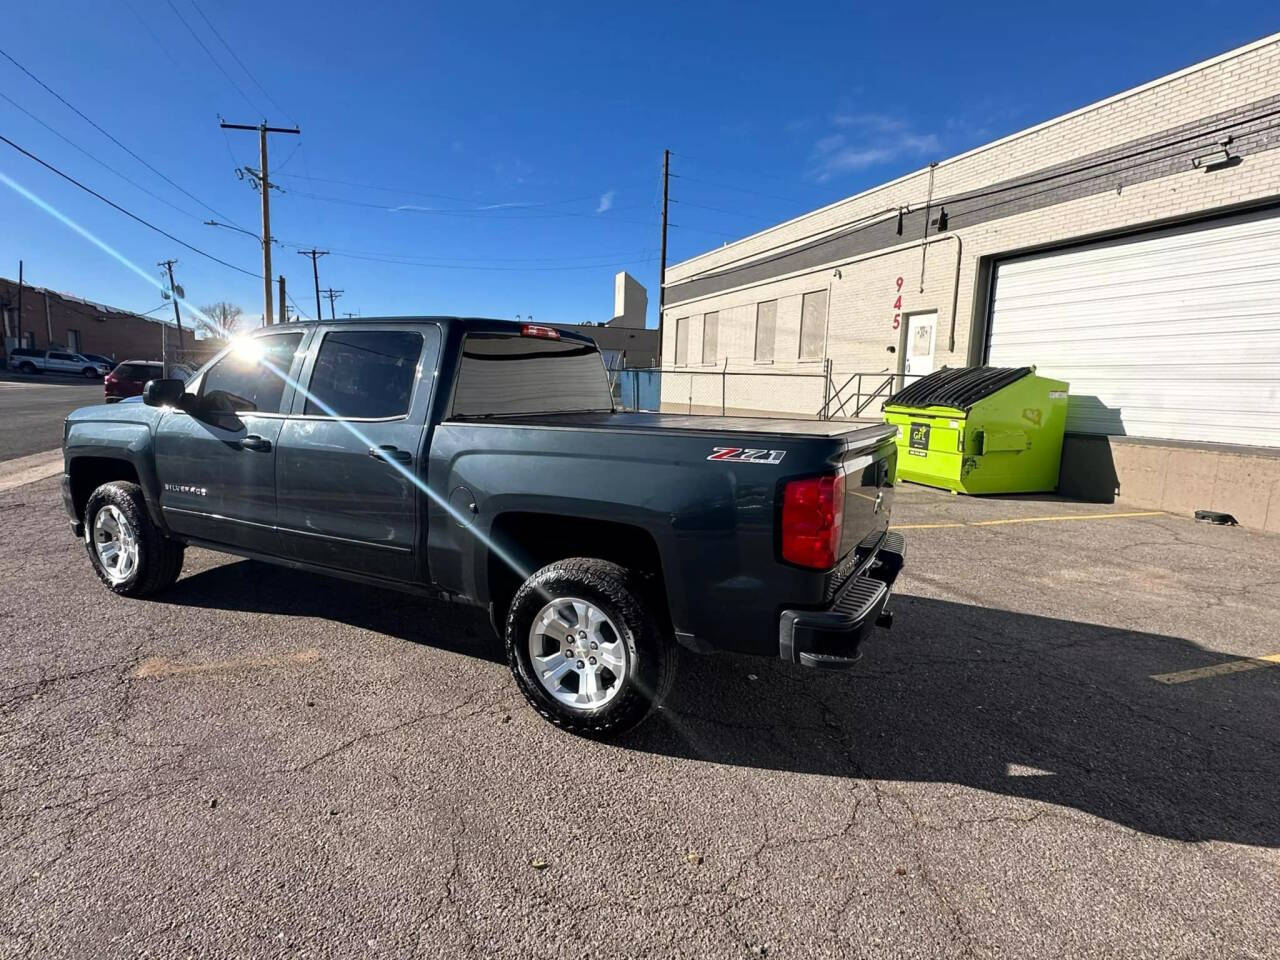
{"points": [[766, 328], [813, 321], [73, 340], [682, 341], [710, 337]]}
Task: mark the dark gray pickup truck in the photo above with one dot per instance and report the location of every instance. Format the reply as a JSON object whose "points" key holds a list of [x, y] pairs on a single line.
{"points": [[483, 460]]}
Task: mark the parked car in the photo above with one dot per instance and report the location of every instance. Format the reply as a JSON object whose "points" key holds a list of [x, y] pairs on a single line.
{"points": [[128, 379], [482, 461], [26, 360], [100, 358]]}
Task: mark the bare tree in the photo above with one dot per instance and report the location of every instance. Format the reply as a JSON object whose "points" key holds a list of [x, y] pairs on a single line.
{"points": [[225, 316]]}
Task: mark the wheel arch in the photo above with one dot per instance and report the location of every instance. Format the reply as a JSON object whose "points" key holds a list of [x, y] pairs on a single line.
{"points": [[534, 540], [88, 472]]}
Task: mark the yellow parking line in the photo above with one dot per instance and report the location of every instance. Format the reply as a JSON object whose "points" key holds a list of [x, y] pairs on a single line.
{"points": [[1067, 516], [993, 523], [1219, 669]]}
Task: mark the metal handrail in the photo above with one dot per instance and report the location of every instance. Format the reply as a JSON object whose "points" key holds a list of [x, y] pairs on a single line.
{"points": [[839, 402]]}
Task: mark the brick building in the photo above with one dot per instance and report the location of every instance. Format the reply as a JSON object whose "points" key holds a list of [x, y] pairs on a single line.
{"points": [[59, 320], [1131, 247]]}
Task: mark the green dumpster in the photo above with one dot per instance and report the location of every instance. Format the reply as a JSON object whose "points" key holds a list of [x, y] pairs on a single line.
{"points": [[980, 430]]}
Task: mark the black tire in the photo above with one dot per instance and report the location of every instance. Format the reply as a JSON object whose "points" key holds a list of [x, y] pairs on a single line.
{"points": [[620, 594], [27, 368], [91, 373], [159, 558]]}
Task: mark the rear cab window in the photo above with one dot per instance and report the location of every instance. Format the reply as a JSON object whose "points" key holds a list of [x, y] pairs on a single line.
{"points": [[507, 375]]}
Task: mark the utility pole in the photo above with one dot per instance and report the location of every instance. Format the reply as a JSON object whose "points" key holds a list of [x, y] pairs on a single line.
{"points": [[315, 255], [284, 309], [177, 315], [662, 265], [18, 331], [265, 186], [332, 295]]}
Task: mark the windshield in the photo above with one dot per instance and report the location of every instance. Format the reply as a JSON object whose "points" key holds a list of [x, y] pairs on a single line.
{"points": [[503, 375]]}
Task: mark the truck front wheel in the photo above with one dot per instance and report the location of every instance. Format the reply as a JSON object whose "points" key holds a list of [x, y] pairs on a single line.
{"points": [[586, 648], [129, 553]]}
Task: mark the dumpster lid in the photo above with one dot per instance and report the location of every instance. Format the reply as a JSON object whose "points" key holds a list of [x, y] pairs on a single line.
{"points": [[960, 388]]}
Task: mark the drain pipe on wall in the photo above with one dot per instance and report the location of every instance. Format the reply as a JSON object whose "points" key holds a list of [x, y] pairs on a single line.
{"points": [[924, 236]]}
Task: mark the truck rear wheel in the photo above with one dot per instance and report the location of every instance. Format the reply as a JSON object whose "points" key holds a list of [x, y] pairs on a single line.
{"points": [[586, 648], [129, 553]]}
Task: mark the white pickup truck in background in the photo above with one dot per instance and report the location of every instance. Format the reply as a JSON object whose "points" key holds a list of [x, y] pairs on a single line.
{"points": [[26, 360]]}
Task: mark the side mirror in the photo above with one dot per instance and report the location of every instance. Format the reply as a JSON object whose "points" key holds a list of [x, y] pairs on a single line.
{"points": [[163, 393]]}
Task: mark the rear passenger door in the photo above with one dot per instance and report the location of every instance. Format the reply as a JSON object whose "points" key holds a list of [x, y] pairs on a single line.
{"points": [[351, 450]]}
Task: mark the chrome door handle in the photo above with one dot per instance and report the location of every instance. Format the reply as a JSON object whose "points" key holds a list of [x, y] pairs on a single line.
{"points": [[255, 442], [388, 452]]}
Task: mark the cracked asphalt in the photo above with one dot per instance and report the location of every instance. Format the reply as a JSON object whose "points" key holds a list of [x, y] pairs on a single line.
{"points": [[262, 763]]}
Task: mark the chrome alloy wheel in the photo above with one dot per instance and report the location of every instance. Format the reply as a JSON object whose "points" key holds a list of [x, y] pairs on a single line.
{"points": [[577, 653], [116, 544]]}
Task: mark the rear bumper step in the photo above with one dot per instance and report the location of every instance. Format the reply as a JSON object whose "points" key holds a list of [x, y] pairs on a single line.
{"points": [[830, 638]]}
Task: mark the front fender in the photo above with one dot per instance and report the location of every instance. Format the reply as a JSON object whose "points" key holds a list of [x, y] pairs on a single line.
{"points": [[128, 442]]}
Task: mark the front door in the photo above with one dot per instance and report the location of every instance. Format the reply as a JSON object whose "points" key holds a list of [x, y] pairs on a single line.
{"points": [[351, 467], [217, 466], [922, 335]]}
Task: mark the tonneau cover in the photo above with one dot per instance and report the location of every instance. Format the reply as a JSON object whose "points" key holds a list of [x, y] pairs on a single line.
{"points": [[641, 420]]}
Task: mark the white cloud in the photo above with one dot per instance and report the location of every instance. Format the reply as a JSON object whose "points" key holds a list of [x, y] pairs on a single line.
{"points": [[606, 201], [863, 140]]}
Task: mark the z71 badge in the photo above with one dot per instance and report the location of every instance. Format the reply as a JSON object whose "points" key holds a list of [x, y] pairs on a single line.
{"points": [[741, 455]]}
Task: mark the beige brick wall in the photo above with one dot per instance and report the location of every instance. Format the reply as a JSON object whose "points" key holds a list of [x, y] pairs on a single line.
{"points": [[860, 322]]}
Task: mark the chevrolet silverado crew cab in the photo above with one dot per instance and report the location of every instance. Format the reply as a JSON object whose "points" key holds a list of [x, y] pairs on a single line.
{"points": [[483, 460]]}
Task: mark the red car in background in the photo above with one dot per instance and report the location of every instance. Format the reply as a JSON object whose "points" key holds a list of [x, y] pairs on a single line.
{"points": [[128, 379]]}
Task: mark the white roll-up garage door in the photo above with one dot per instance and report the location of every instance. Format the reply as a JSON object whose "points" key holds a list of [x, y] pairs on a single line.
{"points": [[1172, 334]]}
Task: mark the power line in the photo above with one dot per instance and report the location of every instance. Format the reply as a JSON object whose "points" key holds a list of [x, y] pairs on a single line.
{"points": [[133, 216], [237, 59], [78, 112], [102, 163], [216, 62]]}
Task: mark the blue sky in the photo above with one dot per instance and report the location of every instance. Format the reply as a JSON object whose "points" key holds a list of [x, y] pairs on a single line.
{"points": [[516, 148]]}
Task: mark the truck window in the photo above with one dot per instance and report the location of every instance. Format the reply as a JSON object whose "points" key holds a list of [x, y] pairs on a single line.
{"points": [[502, 375], [242, 380], [365, 374]]}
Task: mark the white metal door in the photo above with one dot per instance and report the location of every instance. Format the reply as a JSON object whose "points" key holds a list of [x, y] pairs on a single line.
{"points": [[1171, 334], [922, 337]]}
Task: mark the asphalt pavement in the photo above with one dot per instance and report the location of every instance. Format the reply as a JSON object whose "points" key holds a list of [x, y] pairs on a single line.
{"points": [[32, 409], [1067, 745]]}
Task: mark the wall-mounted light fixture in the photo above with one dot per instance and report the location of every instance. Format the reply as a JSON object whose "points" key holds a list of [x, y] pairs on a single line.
{"points": [[1217, 158]]}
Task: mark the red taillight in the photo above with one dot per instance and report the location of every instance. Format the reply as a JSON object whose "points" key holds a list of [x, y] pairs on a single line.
{"points": [[538, 330], [812, 516]]}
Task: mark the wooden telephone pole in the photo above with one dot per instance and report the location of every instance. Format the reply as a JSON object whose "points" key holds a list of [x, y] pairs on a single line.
{"points": [[662, 265], [315, 255], [265, 186], [177, 314], [332, 295]]}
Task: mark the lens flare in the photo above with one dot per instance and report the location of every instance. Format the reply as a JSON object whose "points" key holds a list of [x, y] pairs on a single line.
{"points": [[251, 350]]}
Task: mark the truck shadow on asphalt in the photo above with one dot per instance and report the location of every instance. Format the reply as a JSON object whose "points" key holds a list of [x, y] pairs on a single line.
{"points": [[1018, 705], [255, 587]]}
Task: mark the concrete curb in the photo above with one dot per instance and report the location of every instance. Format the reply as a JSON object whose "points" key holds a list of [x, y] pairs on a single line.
{"points": [[23, 470]]}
